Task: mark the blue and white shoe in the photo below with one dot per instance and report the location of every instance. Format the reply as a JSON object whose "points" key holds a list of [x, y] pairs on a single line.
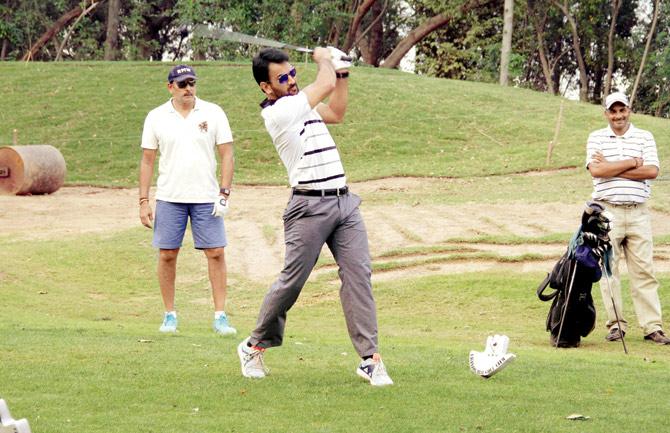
{"points": [[222, 327], [374, 371], [169, 323]]}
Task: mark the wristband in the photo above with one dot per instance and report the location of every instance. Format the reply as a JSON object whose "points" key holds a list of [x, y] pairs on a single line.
{"points": [[143, 199], [342, 74], [225, 191]]}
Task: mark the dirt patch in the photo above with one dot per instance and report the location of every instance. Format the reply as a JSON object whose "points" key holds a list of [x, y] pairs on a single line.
{"points": [[255, 232]]}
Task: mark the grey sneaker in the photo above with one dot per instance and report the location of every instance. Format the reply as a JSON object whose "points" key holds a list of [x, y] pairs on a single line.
{"points": [[251, 360]]}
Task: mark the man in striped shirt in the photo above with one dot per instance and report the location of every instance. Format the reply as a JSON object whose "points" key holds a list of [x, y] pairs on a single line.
{"points": [[623, 160], [321, 209]]}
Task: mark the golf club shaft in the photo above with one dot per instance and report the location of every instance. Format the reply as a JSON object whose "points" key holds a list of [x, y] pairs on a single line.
{"points": [[565, 308], [229, 35], [616, 314]]}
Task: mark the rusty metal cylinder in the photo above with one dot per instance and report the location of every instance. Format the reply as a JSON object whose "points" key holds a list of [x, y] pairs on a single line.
{"points": [[33, 169]]}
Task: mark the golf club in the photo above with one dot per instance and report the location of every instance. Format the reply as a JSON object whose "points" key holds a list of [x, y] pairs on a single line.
{"points": [[616, 314], [567, 300], [205, 31]]}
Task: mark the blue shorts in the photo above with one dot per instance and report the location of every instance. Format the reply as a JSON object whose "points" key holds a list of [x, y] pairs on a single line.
{"points": [[170, 225]]}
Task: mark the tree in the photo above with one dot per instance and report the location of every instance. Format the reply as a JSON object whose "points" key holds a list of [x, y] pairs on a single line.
{"points": [[361, 11], [652, 95], [650, 36], [576, 44], [616, 5], [506, 41], [539, 14], [113, 21], [370, 41], [60, 23], [467, 48], [59, 51]]}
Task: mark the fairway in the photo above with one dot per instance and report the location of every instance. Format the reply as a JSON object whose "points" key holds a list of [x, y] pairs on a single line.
{"points": [[81, 351], [465, 218]]}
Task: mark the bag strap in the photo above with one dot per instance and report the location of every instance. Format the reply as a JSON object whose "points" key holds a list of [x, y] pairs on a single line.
{"points": [[540, 290]]}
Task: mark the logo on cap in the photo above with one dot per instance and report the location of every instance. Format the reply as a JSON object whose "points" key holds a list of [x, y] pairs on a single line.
{"points": [[180, 73]]}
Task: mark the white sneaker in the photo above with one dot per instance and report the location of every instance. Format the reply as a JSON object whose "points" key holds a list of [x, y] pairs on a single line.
{"points": [[169, 323], [251, 360], [222, 327], [373, 370]]}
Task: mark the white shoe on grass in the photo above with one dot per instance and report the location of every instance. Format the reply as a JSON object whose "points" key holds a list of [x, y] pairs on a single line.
{"points": [[222, 327], [169, 323], [251, 360], [374, 371]]}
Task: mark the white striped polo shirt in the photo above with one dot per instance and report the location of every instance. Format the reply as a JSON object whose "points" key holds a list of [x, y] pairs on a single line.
{"points": [[304, 143], [635, 143]]}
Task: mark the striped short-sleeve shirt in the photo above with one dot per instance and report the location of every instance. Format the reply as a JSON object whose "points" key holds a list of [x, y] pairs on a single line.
{"points": [[635, 143], [304, 143]]}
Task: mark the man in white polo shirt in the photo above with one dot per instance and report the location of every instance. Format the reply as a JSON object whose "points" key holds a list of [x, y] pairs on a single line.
{"points": [[321, 209], [623, 160], [187, 131]]}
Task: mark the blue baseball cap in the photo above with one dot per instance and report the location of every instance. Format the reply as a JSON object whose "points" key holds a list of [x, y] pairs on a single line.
{"points": [[181, 73]]}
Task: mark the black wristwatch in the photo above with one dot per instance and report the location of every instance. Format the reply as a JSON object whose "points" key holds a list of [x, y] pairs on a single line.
{"points": [[225, 191], [344, 74]]}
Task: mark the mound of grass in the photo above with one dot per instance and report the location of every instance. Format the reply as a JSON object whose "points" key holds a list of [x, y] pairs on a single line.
{"points": [[397, 124]]}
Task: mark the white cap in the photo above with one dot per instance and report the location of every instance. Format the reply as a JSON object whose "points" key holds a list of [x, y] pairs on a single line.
{"points": [[616, 97]]}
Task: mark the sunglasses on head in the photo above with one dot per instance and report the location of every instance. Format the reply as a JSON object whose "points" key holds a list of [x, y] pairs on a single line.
{"points": [[283, 78], [183, 84]]}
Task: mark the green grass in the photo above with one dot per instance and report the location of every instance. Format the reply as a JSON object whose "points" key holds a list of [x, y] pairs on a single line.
{"points": [[397, 124], [81, 353], [79, 347]]}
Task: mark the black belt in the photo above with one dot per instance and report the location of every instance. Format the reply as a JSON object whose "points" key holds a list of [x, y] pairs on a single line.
{"points": [[321, 192]]}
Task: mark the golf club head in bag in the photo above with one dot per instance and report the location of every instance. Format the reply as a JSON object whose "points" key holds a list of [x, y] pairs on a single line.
{"points": [[10, 425], [596, 225], [494, 357], [572, 314]]}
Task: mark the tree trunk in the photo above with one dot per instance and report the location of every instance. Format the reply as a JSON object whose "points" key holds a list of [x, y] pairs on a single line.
{"points": [[660, 106], [356, 23], [112, 38], [650, 36], [598, 84], [576, 44], [616, 4], [46, 36], [432, 24], [393, 59], [546, 70], [3, 51], [373, 37], [71, 29], [539, 20], [506, 50]]}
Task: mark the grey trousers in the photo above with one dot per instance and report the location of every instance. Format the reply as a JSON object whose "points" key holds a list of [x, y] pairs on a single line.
{"points": [[309, 222]]}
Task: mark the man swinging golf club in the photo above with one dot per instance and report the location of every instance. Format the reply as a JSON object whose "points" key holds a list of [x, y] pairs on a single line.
{"points": [[321, 209]]}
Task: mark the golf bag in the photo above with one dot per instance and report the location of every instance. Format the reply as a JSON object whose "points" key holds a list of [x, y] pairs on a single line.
{"points": [[572, 314]]}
